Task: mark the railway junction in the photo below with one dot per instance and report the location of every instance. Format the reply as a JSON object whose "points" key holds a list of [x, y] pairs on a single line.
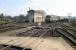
{"points": [[54, 36]]}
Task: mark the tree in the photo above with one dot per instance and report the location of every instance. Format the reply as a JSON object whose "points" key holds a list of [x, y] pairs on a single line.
{"points": [[15, 18], [20, 18], [26, 18], [8, 17], [1, 15]]}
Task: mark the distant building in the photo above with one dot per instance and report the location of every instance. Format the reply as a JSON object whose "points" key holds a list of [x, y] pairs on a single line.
{"points": [[36, 16], [39, 16], [31, 16]]}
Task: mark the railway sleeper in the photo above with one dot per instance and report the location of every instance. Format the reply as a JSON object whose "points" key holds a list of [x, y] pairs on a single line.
{"points": [[71, 38]]}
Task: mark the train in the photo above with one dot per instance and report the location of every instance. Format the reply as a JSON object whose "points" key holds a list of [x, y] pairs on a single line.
{"points": [[52, 18]]}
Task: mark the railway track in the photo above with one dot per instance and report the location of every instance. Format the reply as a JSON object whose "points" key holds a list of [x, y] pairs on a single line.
{"points": [[35, 32], [68, 32], [10, 26]]}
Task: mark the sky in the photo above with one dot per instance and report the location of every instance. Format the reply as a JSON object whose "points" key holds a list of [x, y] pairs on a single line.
{"points": [[56, 7]]}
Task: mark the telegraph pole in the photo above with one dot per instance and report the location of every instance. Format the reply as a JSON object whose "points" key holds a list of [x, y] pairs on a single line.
{"points": [[69, 17]]}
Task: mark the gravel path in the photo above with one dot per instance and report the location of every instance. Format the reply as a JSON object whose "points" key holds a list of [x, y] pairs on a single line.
{"points": [[52, 43]]}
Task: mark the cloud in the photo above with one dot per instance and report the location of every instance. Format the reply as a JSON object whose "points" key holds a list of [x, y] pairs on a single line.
{"points": [[58, 7]]}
